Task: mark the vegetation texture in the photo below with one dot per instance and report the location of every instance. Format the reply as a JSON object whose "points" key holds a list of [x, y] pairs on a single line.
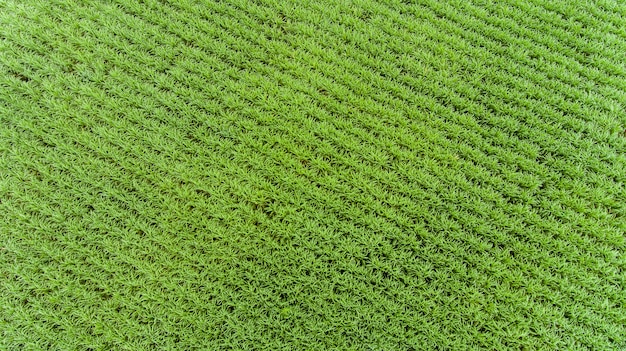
{"points": [[312, 175]]}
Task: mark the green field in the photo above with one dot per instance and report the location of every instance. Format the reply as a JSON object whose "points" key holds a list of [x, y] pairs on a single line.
{"points": [[312, 175]]}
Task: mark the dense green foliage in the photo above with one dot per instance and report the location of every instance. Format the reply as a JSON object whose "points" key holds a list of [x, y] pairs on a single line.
{"points": [[333, 175]]}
